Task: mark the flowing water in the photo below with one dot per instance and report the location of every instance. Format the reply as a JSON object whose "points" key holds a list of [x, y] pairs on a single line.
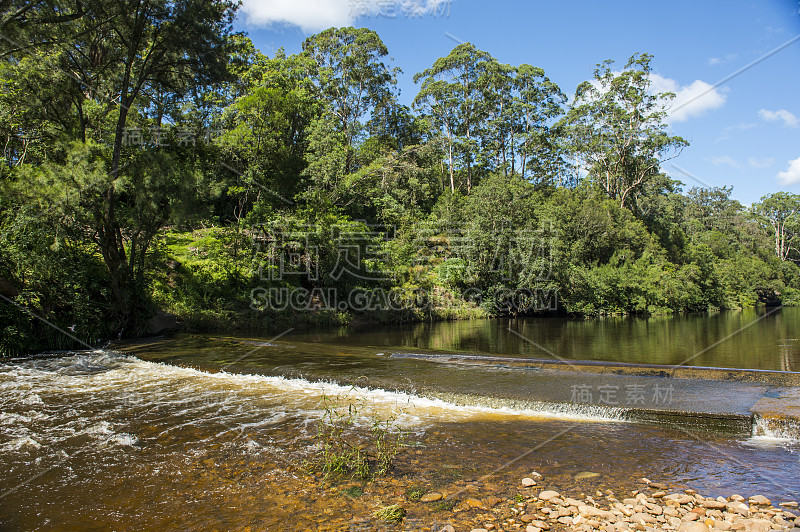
{"points": [[209, 432]]}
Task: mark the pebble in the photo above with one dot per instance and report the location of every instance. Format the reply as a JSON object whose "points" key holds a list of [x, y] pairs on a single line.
{"points": [[759, 500], [527, 481], [546, 495], [489, 502], [473, 503], [586, 474], [431, 497], [714, 505], [692, 526]]}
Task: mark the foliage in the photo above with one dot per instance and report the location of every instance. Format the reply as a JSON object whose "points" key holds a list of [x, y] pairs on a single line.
{"points": [[391, 514], [618, 128], [342, 451], [154, 160]]}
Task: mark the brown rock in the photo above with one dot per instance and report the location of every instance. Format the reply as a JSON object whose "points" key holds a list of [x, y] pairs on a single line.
{"points": [[492, 501], [431, 497], [640, 517], [473, 503], [692, 526], [714, 505], [546, 495], [759, 500]]}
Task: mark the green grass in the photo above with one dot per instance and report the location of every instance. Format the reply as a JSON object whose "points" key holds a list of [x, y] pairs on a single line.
{"points": [[391, 514]]}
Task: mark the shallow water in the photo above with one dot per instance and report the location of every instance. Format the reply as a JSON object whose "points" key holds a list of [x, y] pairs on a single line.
{"points": [[204, 432]]}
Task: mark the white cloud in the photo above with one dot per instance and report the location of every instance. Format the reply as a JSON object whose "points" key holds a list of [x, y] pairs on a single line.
{"points": [[760, 163], [790, 176], [316, 15], [714, 61], [725, 160], [789, 120], [690, 100], [741, 126]]}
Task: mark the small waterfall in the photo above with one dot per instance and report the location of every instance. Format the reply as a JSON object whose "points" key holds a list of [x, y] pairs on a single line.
{"points": [[776, 428]]}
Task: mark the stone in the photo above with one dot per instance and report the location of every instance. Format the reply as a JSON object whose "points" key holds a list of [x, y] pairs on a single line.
{"points": [[757, 525], [583, 475], [473, 503], [546, 495], [789, 504], [738, 507], [641, 517], [591, 511], [735, 497], [431, 497], [759, 500], [528, 481], [655, 509], [479, 530], [680, 498], [531, 528], [535, 476], [714, 505], [492, 501], [659, 494], [692, 526], [448, 528], [658, 485]]}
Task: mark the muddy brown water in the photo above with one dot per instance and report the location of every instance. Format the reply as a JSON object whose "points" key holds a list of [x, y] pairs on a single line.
{"points": [[213, 433]]}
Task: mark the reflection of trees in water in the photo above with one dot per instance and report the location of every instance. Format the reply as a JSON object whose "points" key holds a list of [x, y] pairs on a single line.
{"points": [[742, 339]]}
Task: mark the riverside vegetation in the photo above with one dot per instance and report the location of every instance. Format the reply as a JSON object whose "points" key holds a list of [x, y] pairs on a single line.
{"points": [[153, 159]]}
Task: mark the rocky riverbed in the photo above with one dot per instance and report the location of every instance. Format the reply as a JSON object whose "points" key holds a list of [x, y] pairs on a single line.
{"points": [[654, 507], [533, 505]]}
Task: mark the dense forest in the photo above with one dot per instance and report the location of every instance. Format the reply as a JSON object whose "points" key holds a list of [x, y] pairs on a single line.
{"points": [[154, 160]]}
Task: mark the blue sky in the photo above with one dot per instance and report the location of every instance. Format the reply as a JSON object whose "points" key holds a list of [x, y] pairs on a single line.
{"points": [[743, 132]]}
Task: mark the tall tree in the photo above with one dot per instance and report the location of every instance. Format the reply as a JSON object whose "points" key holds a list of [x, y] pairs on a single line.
{"points": [[616, 127], [117, 57], [518, 136], [453, 91], [781, 213], [351, 78]]}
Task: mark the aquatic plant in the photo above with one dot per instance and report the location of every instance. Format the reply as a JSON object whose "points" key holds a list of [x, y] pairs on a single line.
{"points": [[344, 450], [391, 514]]}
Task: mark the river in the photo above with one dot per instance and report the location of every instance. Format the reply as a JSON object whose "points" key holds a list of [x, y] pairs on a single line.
{"points": [[215, 432]]}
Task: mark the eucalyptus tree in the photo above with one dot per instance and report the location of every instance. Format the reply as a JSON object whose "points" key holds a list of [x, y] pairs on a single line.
{"points": [[453, 93], [352, 79], [617, 128], [780, 212], [520, 134]]}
